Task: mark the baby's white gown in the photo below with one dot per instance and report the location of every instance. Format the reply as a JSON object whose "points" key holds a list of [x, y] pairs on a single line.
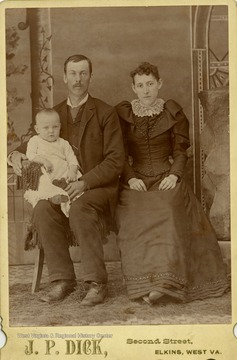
{"points": [[61, 155]]}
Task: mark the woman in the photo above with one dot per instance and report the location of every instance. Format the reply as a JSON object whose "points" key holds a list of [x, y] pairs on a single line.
{"points": [[167, 244]]}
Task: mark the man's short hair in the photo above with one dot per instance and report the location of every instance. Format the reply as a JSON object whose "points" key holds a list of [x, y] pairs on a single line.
{"points": [[77, 58]]}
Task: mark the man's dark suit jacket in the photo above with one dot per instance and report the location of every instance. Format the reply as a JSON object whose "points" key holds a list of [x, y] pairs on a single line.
{"points": [[100, 144]]}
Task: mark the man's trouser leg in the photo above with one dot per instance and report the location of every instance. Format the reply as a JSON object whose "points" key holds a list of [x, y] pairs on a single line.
{"points": [[51, 225], [85, 222]]}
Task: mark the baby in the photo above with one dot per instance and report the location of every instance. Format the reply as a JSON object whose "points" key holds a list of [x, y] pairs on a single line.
{"points": [[56, 157]]}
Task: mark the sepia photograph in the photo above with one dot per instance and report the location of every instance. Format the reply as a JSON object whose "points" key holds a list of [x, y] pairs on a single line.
{"points": [[118, 175]]}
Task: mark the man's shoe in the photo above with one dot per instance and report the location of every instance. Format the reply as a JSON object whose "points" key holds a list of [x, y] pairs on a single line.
{"points": [[60, 289], [96, 294]]}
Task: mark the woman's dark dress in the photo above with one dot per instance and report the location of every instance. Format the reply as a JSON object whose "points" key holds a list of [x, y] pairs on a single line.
{"points": [[166, 241]]}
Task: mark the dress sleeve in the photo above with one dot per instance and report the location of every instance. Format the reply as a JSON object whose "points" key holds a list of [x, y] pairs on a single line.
{"points": [[180, 139], [125, 117], [128, 172]]}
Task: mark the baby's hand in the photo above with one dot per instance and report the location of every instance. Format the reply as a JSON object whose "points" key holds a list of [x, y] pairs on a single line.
{"points": [[48, 166], [71, 176]]}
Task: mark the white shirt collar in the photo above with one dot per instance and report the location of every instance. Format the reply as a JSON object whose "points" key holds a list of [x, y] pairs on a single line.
{"points": [[69, 103]]}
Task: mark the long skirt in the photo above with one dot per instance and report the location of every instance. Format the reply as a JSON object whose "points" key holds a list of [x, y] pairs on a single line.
{"points": [[168, 244]]}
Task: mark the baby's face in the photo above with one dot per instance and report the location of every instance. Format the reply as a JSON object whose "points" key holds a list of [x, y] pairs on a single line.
{"points": [[48, 127]]}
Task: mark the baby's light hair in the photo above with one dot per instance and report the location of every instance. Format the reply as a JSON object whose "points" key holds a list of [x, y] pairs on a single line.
{"points": [[47, 111]]}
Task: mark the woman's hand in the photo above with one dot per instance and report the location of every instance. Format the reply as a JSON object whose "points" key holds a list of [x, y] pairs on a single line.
{"points": [[168, 182], [75, 189], [137, 184]]}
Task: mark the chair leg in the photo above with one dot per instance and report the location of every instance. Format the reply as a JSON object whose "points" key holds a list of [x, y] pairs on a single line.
{"points": [[39, 263]]}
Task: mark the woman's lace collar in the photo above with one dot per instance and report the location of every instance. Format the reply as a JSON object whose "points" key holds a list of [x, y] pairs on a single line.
{"points": [[141, 110]]}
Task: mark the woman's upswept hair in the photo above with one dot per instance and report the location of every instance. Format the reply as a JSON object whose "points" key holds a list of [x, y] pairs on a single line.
{"points": [[147, 69]]}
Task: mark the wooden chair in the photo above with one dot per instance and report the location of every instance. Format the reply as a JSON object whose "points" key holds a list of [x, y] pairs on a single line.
{"points": [[38, 269]]}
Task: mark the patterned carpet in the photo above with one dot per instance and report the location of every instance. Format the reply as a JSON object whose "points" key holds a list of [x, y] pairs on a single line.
{"points": [[27, 310]]}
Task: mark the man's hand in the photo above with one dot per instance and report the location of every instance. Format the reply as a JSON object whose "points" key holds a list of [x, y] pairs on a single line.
{"points": [[16, 160], [75, 188], [168, 182], [137, 184]]}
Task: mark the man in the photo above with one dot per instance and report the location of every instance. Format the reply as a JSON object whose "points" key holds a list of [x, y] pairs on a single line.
{"points": [[92, 128]]}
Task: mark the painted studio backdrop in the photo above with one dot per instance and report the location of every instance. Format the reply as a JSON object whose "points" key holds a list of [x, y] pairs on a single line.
{"points": [[188, 44]]}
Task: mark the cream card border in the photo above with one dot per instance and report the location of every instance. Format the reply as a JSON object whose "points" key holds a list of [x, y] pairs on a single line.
{"points": [[209, 337]]}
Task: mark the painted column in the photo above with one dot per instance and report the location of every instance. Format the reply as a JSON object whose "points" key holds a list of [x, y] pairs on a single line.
{"points": [[200, 25], [38, 20]]}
